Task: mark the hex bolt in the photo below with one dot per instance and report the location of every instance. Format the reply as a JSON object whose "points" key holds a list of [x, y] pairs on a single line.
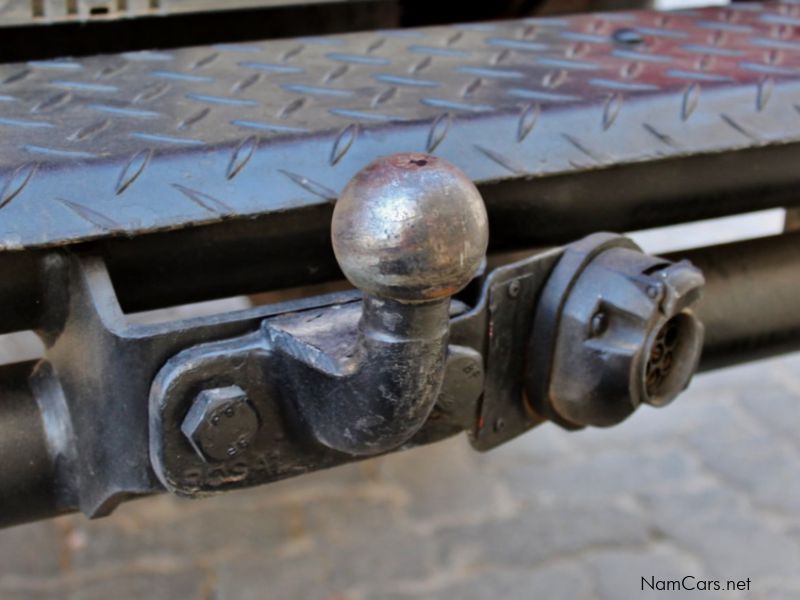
{"points": [[220, 423]]}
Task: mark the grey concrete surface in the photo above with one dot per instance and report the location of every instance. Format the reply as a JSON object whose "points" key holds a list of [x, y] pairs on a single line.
{"points": [[708, 487]]}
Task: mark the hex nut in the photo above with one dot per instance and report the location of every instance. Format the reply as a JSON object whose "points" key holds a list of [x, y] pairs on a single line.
{"points": [[221, 423]]}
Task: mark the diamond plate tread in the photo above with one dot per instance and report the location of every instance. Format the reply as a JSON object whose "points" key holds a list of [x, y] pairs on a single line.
{"points": [[144, 141]]}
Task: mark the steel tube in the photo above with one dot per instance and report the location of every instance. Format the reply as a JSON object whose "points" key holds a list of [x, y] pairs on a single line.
{"points": [[28, 478], [749, 310], [751, 300]]}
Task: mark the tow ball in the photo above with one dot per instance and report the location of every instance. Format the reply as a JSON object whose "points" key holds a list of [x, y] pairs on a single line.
{"points": [[409, 231], [579, 335]]}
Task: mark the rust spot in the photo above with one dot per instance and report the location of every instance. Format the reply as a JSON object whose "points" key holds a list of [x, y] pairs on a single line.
{"points": [[410, 160]]}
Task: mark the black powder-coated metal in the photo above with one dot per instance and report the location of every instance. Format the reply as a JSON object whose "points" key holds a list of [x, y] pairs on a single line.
{"points": [[752, 294], [752, 288], [747, 310], [410, 231], [28, 476], [192, 173], [599, 346]]}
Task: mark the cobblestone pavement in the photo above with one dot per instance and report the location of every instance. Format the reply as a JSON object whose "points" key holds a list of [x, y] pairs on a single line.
{"points": [[709, 487]]}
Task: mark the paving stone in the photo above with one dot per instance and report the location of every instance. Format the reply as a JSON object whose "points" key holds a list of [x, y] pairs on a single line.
{"points": [[607, 474], [368, 542], [779, 594], [731, 538], [152, 584], [193, 535], [776, 407], [232, 523], [540, 534], [618, 573], [554, 582], [701, 503], [34, 550], [750, 457], [264, 577], [446, 482], [546, 443]]}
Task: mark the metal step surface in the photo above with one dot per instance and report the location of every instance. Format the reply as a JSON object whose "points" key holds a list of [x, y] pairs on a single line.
{"points": [[123, 145]]}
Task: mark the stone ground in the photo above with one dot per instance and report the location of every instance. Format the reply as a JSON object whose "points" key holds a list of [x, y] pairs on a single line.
{"points": [[709, 487]]}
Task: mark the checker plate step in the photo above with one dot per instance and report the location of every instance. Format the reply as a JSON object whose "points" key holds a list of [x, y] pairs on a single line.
{"points": [[127, 144]]}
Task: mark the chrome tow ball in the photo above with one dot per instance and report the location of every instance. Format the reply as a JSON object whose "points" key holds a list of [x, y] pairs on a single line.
{"points": [[409, 231], [614, 328], [322, 381]]}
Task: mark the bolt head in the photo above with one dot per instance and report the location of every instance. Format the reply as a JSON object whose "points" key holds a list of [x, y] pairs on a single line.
{"points": [[411, 227], [221, 423]]}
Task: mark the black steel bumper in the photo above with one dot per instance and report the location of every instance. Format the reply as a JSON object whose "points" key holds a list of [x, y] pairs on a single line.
{"points": [[196, 173]]}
